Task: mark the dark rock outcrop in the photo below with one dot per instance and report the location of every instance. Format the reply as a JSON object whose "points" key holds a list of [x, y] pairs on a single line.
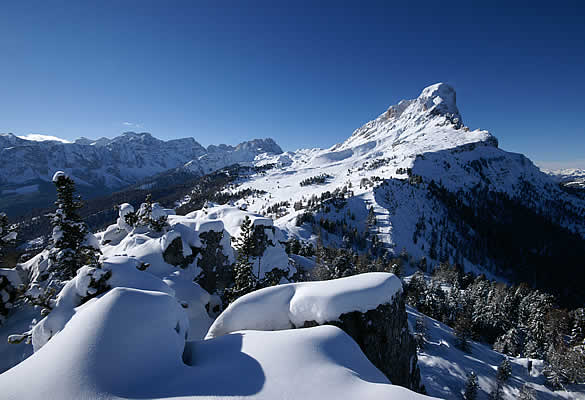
{"points": [[383, 336]]}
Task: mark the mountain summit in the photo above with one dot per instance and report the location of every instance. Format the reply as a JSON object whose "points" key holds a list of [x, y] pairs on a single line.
{"points": [[431, 122]]}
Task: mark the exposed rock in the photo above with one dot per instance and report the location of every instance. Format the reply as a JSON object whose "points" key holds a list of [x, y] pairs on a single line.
{"points": [[383, 336], [174, 254]]}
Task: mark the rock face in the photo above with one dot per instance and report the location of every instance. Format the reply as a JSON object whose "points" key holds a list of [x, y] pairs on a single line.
{"points": [[383, 336]]}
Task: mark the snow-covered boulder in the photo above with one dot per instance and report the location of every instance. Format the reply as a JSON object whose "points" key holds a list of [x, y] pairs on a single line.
{"points": [[369, 307], [130, 343], [231, 217], [292, 305], [118, 272]]}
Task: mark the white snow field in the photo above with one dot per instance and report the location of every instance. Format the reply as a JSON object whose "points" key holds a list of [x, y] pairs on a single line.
{"points": [[143, 338], [131, 343]]}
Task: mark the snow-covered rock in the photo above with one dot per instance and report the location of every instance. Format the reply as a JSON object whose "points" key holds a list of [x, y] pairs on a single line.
{"points": [[231, 218], [132, 344], [291, 305]]}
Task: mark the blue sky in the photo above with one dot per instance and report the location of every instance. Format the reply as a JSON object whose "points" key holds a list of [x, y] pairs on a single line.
{"points": [[305, 73]]}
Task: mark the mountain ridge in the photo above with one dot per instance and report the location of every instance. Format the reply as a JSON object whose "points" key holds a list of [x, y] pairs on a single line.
{"points": [[105, 165]]}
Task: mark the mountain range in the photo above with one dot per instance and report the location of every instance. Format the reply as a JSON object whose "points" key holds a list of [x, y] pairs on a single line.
{"points": [[105, 165], [434, 187]]}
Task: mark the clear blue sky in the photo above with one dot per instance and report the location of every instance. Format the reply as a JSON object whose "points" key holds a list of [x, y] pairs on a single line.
{"points": [[305, 73]]}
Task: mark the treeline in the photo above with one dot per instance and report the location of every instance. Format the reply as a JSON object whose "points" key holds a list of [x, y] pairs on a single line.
{"points": [[511, 239], [516, 320]]}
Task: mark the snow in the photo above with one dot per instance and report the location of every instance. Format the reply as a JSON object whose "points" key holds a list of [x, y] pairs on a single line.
{"points": [[115, 163], [231, 218], [291, 305], [59, 174], [444, 368], [103, 353], [424, 134], [35, 137], [124, 274]]}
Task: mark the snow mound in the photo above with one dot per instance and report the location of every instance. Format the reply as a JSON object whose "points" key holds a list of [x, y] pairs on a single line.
{"points": [[103, 352], [291, 305], [231, 218]]}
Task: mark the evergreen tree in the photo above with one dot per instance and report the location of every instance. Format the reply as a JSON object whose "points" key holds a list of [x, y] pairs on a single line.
{"points": [[342, 264], [420, 331], [371, 220], [396, 268], [7, 291], [259, 244], [7, 235], [504, 370], [72, 245], [149, 216], [471, 387], [503, 374], [509, 343], [416, 289], [244, 279], [463, 329], [322, 270], [527, 393]]}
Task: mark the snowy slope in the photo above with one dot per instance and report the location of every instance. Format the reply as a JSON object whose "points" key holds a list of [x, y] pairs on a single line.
{"points": [[104, 353], [405, 148], [141, 338], [571, 177], [444, 367]]}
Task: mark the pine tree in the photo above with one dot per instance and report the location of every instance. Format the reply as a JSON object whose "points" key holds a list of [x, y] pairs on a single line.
{"points": [[509, 343], [527, 393], [463, 329], [471, 387], [421, 331], [7, 235], [7, 291], [244, 279], [504, 370], [343, 264], [259, 244], [322, 270], [148, 217], [503, 374], [71, 244]]}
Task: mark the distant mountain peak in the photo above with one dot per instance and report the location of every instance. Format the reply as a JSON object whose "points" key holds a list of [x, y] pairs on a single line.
{"points": [[437, 99], [430, 122], [36, 137], [440, 97]]}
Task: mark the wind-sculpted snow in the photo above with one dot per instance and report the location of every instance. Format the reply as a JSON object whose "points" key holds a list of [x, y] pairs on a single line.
{"points": [[291, 305], [130, 343]]}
